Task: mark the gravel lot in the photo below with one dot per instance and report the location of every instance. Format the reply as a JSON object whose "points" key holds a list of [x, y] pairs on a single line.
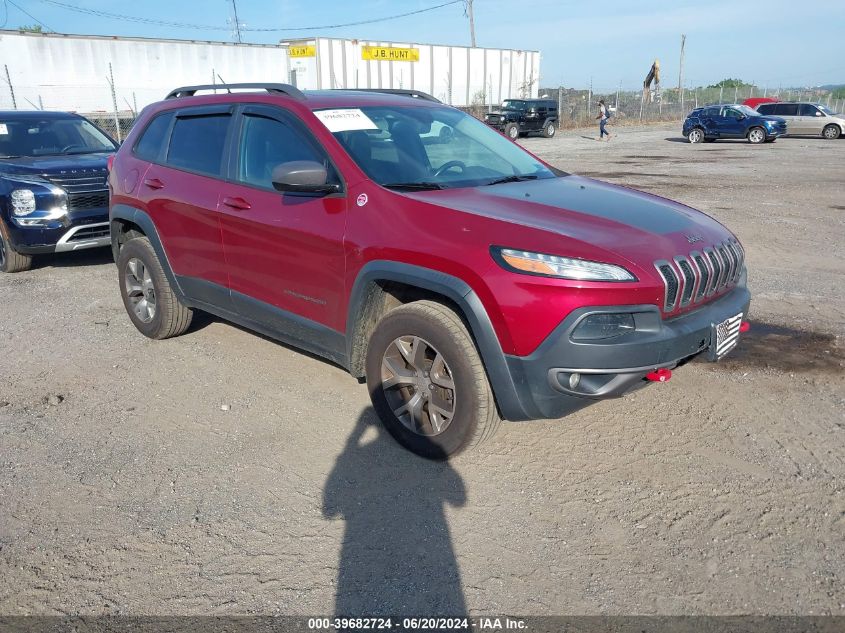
{"points": [[224, 473]]}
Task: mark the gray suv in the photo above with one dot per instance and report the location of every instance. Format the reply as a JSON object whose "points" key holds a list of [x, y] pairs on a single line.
{"points": [[806, 119]]}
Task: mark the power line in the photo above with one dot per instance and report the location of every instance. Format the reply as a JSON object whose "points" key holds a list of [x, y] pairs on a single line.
{"points": [[209, 27], [30, 15]]}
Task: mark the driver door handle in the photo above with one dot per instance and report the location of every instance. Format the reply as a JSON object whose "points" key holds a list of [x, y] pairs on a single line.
{"points": [[153, 183], [237, 203]]}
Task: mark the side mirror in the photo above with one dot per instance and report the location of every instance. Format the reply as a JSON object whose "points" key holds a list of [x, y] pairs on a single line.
{"points": [[741, 117], [818, 113], [303, 176]]}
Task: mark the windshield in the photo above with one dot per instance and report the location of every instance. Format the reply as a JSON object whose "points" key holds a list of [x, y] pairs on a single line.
{"points": [[511, 104], [826, 110], [38, 136], [744, 109], [432, 148]]}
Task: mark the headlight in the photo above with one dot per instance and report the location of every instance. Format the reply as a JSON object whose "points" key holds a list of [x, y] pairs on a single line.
{"points": [[561, 267], [23, 201], [603, 326]]}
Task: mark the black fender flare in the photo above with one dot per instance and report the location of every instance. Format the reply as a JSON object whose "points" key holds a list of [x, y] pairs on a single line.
{"points": [[140, 218], [503, 382], [550, 119]]}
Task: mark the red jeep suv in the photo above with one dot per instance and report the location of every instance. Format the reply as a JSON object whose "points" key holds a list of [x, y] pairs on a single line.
{"points": [[465, 279]]}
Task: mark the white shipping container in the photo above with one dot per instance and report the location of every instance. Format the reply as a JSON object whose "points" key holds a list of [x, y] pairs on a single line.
{"points": [[71, 72], [457, 75]]}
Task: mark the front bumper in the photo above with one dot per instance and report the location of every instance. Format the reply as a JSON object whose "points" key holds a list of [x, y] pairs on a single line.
{"points": [[609, 368], [77, 231]]}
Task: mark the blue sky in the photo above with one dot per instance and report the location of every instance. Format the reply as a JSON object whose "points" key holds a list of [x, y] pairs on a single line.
{"points": [[774, 42]]}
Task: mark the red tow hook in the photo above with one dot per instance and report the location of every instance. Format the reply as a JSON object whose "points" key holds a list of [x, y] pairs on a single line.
{"points": [[660, 375], [744, 326]]}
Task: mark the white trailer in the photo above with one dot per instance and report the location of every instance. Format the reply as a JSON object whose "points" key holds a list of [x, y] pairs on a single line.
{"points": [[457, 75], [76, 72]]}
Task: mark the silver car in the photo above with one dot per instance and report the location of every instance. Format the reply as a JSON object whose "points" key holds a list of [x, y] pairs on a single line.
{"points": [[806, 118]]}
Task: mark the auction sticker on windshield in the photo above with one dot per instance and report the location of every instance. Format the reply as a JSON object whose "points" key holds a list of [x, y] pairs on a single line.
{"points": [[345, 120], [3, 129]]}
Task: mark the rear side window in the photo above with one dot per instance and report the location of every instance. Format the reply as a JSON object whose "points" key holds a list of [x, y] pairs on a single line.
{"points": [[197, 143], [766, 108], [787, 109], [153, 138]]}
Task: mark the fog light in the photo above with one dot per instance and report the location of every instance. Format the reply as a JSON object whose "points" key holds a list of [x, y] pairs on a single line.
{"points": [[574, 379], [602, 326]]}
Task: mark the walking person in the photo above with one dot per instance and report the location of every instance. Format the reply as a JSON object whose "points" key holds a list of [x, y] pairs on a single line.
{"points": [[603, 117]]}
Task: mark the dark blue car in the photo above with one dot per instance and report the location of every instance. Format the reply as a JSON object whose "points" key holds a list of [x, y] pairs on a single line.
{"points": [[53, 192], [732, 121]]}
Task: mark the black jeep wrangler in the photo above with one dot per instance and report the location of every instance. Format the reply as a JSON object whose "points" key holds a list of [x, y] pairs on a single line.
{"points": [[525, 116]]}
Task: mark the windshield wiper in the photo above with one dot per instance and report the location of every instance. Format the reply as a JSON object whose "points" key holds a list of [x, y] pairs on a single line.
{"points": [[414, 186], [500, 181]]}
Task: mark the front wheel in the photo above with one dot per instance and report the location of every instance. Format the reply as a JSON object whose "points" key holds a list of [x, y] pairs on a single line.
{"points": [[147, 296], [10, 260], [696, 135], [831, 131], [512, 131], [549, 130], [427, 382], [756, 135]]}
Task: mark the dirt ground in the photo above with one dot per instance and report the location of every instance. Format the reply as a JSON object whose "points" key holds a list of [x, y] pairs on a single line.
{"points": [[223, 473]]}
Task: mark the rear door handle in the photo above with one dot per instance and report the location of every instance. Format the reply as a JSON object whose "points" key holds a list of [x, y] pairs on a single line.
{"points": [[237, 203], [153, 183]]}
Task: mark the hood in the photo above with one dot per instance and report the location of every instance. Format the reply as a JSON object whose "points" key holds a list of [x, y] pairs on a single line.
{"points": [[635, 226], [31, 165]]}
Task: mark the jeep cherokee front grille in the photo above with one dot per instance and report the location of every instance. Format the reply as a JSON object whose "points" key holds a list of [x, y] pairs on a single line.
{"points": [[693, 278]]}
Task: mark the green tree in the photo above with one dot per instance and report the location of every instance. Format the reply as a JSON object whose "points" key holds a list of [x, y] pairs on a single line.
{"points": [[730, 83], [30, 28], [838, 93]]}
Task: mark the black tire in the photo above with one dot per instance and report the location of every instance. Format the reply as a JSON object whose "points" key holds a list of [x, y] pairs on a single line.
{"points": [[756, 135], [10, 260], [512, 131], [696, 135], [550, 129], [169, 316], [443, 333], [831, 132]]}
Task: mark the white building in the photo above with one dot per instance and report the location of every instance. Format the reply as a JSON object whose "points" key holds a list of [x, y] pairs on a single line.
{"points": [[75, 72]]}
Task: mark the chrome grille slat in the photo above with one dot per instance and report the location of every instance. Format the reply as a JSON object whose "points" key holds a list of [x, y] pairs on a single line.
{"points": [[693, 278]]}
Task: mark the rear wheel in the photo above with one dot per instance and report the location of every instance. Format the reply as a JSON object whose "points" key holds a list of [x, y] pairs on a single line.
{"points": [[427, 382], [756, 135], [549, 130], [147, 296], [10, 260], [696, 135], [512, 131], [831, 131]]}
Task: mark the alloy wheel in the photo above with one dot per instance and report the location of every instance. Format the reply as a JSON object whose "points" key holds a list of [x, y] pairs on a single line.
{"points": [[756, 136], [695, 136], [831, 132], [140, 290], [418, 385]]}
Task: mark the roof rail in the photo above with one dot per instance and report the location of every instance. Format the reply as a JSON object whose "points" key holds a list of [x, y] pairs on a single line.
{"points": [[416, 94], [190, 91]]}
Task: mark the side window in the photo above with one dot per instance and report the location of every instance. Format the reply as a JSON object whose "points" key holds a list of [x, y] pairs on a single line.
{"points": [[788, 109], [732, 114], [266, 143], [196, 143], [710, 112], [152, 138], [807, 109], [766, 108]]}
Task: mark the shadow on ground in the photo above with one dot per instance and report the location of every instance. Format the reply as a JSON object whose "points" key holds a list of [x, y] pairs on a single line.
{"points": [[787, 349], [87, 257], [397, 554]]}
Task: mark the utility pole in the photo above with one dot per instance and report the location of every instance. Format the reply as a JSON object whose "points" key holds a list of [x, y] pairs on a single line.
{"points": [[237, 22], [471, 22], [681, 72]]}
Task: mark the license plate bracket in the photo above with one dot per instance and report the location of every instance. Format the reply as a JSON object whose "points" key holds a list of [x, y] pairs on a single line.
{"points": [[724, 336]]}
